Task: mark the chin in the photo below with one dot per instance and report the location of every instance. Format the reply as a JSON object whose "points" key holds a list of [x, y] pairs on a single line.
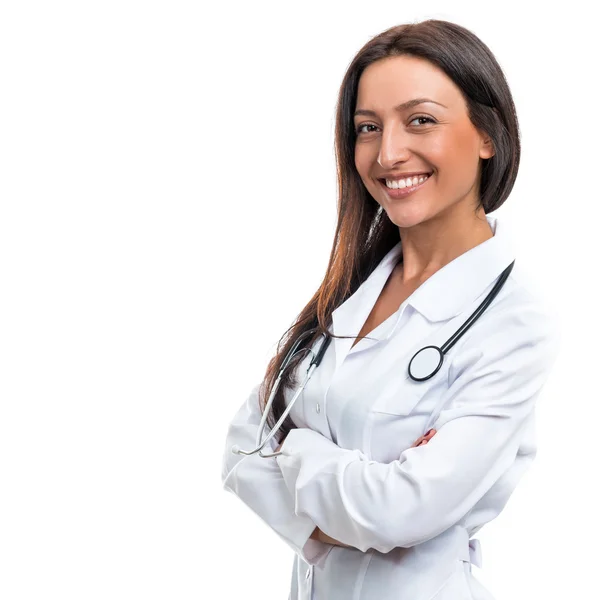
{"points": [[404, 217]]}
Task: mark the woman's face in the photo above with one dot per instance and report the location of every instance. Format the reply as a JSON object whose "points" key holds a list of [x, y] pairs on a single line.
{"points": [[435, 137]]}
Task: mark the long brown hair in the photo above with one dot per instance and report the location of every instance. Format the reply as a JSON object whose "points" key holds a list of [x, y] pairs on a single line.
{"points": [[364, 233]]}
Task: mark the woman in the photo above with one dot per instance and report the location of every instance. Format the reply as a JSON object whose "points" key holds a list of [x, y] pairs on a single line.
{"points": [[382, 479]]}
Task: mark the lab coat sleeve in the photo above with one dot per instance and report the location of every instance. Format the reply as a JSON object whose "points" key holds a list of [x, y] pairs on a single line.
{"points": [[494, 381], [258, 483]]}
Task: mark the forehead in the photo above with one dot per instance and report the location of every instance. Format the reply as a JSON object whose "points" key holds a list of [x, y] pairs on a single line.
{"points": [[396, 79]]}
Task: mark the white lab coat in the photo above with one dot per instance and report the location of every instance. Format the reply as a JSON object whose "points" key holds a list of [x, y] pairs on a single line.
{"points": [[349, 468]]}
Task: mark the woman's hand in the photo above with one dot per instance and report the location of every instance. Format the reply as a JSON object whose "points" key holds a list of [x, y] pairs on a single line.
{"points": [[424, 438]]}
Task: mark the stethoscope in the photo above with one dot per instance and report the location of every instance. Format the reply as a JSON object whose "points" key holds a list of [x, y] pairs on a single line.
{"points": [[423, 365]]}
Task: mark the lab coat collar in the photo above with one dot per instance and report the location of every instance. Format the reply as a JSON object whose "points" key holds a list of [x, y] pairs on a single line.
{"points": [[453, 287], [444, 294]]}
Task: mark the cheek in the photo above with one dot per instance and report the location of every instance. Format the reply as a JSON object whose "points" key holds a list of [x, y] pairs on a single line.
{"points": [[361, 161], [456, 154], [445, 151]]}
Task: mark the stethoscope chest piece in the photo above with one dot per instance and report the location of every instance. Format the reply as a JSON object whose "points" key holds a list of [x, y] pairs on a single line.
{"points": [[425, 363]]}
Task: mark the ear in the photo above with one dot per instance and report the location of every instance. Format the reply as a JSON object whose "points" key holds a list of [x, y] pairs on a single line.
{"points": [[487, 147]]}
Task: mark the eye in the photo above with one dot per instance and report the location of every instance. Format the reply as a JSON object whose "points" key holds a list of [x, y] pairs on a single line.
{"points": [[359, 129], [429, 119]]}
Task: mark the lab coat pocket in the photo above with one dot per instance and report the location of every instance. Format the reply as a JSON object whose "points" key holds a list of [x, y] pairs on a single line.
{"points": [[401, 399], [399, 416]]}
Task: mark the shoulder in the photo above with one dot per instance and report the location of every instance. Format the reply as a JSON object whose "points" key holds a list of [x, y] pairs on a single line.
{"points": [[520, 322], [523, 302]]}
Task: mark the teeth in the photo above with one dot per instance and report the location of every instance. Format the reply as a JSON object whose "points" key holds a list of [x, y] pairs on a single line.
{"points": [[408, 182]]}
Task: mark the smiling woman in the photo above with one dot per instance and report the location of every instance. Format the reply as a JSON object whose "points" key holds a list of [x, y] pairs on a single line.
{"points": [[381, 479], [399, 148]]}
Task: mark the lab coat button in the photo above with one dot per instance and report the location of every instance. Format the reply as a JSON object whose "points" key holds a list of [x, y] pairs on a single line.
{"points": [[318, 408]]}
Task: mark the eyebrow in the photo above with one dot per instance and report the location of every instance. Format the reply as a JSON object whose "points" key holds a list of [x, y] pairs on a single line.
{"points": [[403, 106]]}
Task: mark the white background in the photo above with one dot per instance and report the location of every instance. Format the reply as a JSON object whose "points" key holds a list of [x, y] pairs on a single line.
{"points": [[168, 197]]}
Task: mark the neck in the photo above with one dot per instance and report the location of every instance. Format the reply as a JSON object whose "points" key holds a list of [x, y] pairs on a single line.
{"points": [[428, 246]]}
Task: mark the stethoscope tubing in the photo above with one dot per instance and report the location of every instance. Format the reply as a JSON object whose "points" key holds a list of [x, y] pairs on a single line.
{"points": [[441, 351], [316, 361], [479, 310]]}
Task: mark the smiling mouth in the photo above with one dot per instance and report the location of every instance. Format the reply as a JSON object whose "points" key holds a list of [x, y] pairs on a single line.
{"points": [[383, 179], [405, 191]]}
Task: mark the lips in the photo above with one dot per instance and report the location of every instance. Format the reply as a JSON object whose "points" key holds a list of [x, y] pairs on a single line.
{"points": [[402, 192]]}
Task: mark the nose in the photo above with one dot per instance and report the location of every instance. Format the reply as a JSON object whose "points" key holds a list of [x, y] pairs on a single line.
{"points": [[394, 148]]}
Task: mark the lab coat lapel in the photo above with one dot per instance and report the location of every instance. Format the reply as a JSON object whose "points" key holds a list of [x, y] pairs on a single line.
{"points": [[351, 315]]}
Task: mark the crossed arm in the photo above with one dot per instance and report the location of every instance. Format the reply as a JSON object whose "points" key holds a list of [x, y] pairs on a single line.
{"points": [[321, 536], [494, 384]]}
